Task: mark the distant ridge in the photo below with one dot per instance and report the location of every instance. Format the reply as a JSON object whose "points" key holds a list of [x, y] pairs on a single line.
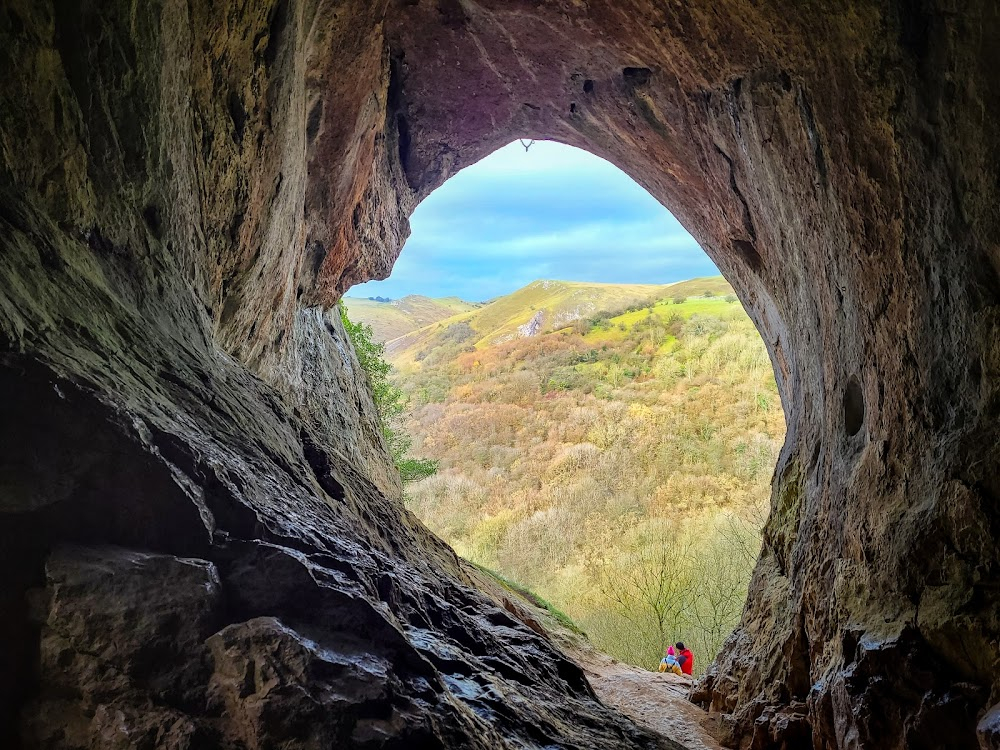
{"points": [[394, 318], [540, 307]]}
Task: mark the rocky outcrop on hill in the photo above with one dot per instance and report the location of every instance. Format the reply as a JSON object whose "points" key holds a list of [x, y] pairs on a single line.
{"points": [[533, 326], [202, 538]]}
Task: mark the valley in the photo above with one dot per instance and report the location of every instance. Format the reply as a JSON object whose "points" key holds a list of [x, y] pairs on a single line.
{"points": [[609, 447]]}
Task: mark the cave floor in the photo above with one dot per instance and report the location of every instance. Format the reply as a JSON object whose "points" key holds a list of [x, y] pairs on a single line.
{"points": [[655, 701], [658, 702]]}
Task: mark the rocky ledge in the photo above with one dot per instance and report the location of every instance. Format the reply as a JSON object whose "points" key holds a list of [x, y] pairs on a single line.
{"points": [[271, 647]]}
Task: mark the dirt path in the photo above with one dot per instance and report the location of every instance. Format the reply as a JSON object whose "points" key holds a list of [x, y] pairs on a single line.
{"points": [[653, 700]]}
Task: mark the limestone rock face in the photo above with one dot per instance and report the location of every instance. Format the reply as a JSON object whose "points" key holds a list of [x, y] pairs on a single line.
{"points": [[187, 186], [135, 652]]}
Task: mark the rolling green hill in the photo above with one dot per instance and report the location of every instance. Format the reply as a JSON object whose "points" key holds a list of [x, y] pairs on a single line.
{"points": [[390, 320], [540, 307]]}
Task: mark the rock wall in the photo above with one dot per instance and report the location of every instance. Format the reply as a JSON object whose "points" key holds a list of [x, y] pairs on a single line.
{"points": [[203, 537], [203, 540]]}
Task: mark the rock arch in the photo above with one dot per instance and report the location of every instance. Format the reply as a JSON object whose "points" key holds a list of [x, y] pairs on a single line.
{"points": [[185, 186]]}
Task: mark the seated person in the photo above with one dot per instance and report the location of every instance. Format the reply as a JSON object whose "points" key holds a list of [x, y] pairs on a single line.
{"points": [[669, 661], [685, 658]]}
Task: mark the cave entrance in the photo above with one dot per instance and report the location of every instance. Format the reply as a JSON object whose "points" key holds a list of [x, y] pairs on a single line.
{"points": [[602, 410], [185, 186]]}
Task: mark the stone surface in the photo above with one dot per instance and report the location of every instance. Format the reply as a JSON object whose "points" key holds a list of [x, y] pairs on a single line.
{"points": [[121, 648], [989, 729], [274, 649], [654, 700], [186, 186]]}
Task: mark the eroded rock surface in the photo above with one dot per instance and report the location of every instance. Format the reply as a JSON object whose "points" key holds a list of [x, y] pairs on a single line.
{"points": [[276, 648], [186, 186]]}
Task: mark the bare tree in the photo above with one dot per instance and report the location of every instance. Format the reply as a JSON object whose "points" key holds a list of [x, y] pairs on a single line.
{"points": [[651, 589], [723, 568]]}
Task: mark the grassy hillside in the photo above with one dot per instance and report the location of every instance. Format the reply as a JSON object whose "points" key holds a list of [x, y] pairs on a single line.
{"points": [[541, 307], [393, 319], [618, 466]]}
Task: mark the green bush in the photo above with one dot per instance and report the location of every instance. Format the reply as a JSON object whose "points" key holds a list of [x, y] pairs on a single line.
{"points": [[389, 399]]}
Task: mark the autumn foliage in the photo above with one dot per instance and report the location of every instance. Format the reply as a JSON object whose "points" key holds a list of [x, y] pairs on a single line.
{"points": [[618, 467]]}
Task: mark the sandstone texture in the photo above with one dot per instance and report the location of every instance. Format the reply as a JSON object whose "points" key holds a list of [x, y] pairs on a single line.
{"points": [[202, 537]]}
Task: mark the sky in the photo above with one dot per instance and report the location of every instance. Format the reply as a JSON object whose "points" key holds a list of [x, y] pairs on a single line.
{"points": [[553, 212]]}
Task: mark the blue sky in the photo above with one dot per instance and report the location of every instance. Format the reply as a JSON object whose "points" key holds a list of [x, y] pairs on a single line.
{"points": [[554, 212]]}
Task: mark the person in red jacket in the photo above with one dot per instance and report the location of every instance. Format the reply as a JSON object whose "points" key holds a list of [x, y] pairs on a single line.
{"points": [[685, 657]]}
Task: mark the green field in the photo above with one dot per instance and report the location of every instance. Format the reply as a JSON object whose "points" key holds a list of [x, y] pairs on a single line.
{"points": [[540, 307]]}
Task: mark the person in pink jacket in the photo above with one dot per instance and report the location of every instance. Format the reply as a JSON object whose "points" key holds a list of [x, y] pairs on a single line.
{"points": [[670, 662]]}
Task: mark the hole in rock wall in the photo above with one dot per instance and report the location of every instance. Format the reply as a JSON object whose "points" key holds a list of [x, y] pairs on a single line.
{"points": [[601, 411], [854, 407]]}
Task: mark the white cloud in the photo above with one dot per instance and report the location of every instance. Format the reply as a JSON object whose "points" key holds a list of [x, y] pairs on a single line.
{"points": [[556, 212]]}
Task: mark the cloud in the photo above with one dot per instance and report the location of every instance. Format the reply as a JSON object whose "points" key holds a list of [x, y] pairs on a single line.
{"points": [[553, 212]]}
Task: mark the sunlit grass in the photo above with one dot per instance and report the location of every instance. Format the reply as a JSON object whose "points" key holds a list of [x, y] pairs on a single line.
{"points": [[525, 593]]}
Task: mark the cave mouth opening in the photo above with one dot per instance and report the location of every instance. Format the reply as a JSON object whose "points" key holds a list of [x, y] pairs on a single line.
{"points": [[605, 432]]}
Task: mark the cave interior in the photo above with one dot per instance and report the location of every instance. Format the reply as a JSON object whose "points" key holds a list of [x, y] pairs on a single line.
{"points": [[203, 539]]}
